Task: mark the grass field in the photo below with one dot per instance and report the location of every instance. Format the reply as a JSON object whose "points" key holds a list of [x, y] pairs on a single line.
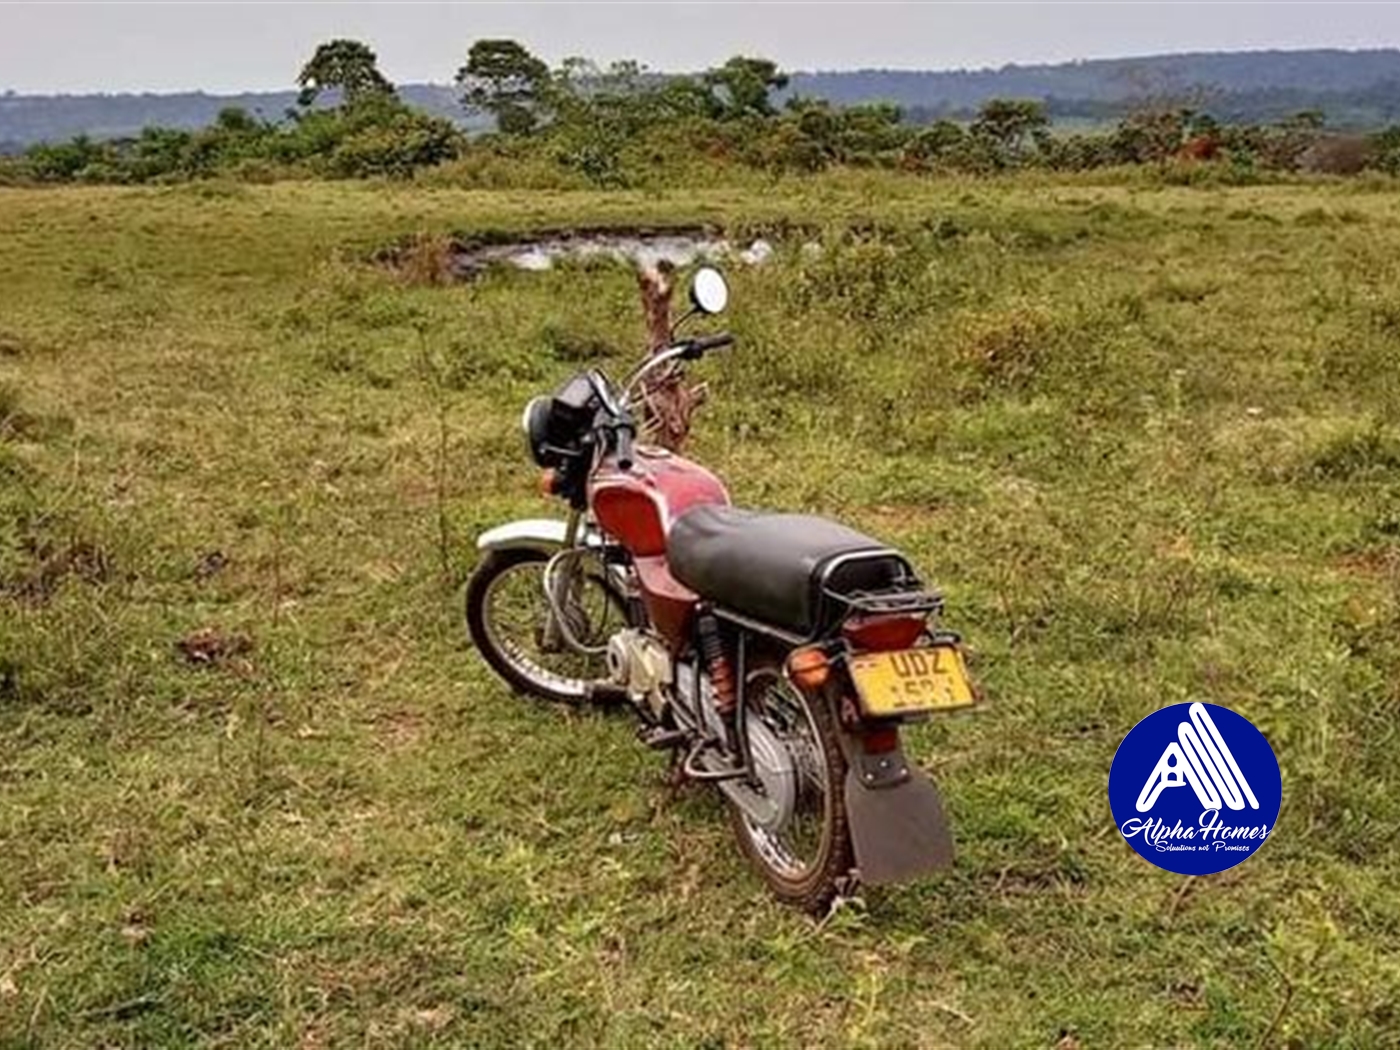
{"points": [[1147, 439]]}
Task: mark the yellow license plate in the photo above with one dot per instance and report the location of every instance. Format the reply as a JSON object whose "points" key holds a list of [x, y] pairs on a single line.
{"points": [[912, 680]]}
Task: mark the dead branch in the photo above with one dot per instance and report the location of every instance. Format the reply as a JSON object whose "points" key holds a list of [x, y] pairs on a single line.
{"points": [[667, 403]]}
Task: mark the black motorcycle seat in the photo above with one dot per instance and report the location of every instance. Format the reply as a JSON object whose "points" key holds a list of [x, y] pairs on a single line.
{"points": [[775, 567]]}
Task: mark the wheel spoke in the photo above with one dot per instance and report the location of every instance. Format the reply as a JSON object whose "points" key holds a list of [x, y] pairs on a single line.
{"points": [[516, 611], [794, 849]]}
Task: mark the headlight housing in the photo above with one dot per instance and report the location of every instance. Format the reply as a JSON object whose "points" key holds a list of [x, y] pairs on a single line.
{"points": [[557, 427], [536, 422]]}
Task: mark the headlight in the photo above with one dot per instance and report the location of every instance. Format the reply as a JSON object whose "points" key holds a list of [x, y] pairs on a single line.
{"points": [[535, 421]]}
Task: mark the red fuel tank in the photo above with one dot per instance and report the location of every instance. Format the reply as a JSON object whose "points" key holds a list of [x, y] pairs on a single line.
{"points": [[637, 507]]}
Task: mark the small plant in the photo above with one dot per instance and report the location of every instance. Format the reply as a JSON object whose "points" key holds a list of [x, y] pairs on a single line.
{"points": [[1373, 452], [427, 259], [1008, 350]]}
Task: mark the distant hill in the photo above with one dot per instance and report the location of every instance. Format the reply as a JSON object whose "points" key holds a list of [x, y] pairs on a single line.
{"points": [[1352, 88], [26, 119], [1355, 88], [1114, 79]]}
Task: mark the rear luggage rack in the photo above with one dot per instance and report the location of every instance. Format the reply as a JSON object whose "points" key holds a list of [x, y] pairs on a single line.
{"points": [[881, 603], [905, 594]]}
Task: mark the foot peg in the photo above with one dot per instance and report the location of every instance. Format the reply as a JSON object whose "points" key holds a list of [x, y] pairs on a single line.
{"points": [[607, 695], [659, 739]]}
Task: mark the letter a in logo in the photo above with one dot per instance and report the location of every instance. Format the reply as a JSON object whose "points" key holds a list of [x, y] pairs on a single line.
{"points": [[1200, 757]]}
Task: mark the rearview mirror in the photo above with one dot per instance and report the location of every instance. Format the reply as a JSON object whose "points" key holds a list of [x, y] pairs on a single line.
{"points": [[708, 291]]}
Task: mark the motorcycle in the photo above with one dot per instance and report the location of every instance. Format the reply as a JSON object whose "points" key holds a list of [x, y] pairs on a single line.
{"points": [[776, 656]]}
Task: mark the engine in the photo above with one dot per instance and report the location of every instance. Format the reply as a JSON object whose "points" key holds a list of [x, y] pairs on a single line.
{"points": [[638, 661]]}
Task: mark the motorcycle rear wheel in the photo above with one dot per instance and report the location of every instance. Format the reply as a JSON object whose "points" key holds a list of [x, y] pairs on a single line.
{"points": [[805, 861], [511, 639]]}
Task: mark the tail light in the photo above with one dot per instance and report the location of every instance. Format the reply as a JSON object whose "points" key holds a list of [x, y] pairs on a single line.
{"points": [[883, 633], [879, 741]]}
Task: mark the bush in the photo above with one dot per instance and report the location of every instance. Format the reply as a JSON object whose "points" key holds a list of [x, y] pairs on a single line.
{"points": [[1009, 349], [376, 135], [64, 161], [397, 149], [1384, 151]]}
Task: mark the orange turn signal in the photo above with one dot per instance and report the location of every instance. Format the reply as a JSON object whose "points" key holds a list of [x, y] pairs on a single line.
{"points": [[809, 668]]}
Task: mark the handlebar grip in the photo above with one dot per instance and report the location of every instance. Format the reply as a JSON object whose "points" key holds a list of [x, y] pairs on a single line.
{"points": [[705, 343], [623, 447]]}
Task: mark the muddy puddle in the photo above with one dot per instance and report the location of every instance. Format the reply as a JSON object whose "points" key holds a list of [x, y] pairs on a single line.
{"points": [[467, 257]]}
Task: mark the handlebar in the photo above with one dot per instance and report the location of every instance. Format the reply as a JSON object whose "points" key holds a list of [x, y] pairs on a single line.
{"points": [[694, 348], [621, 423], [688, 350]]}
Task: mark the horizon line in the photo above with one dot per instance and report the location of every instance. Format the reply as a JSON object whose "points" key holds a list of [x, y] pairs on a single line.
{"points": [[13, 93]]}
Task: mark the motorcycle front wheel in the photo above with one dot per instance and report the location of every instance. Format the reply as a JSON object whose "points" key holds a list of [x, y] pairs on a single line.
{"points": [[507, 617], [807, 857]]}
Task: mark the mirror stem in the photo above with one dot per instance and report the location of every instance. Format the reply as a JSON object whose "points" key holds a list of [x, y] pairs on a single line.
{"points": [[682, 319]]}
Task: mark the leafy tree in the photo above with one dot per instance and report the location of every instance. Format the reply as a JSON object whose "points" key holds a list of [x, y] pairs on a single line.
{"points": [[1078, 152], [1011, 125], [685, 98], [872, 132], [743, 86], [160, 152], [394, 144], [505, 80], [235, 120], [599, 112], [1284, 145], [379, 135], [347, 65], [1149, 136], [936, 144]]}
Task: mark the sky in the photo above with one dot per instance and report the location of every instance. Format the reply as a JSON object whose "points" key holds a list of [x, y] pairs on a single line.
{"points": [[225, 47]]}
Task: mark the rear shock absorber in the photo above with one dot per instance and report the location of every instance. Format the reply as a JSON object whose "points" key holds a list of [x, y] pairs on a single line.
{"points": [[721, 672]]}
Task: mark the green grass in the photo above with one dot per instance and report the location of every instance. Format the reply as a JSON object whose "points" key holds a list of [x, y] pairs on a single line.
{"points": [[1146, 438]]}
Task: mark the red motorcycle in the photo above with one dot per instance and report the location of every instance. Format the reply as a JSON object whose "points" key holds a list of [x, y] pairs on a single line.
{"points": [[777, 656]]}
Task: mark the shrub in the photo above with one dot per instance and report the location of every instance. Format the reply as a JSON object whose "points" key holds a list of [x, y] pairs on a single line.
{"points": [[63, 161], [1372, 452], [1009, 349]]}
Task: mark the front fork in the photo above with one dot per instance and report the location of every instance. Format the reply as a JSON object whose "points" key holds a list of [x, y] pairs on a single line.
{"points": [[561, 586]]}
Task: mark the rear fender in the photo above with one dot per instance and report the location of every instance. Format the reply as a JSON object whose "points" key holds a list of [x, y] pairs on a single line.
{"points": [[898, 827]]}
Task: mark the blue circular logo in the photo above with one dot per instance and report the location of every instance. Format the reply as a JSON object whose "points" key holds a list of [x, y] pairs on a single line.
{"points": [[1195, 788]]}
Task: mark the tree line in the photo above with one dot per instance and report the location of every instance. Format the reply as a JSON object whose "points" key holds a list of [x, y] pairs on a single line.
{"points": [[612, 125]]}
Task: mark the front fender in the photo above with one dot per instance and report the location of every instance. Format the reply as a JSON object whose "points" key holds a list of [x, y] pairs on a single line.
{"points": [[539, 534]]}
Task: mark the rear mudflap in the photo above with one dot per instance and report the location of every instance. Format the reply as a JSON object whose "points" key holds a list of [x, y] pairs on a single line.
{"points": [[898, 827]]}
